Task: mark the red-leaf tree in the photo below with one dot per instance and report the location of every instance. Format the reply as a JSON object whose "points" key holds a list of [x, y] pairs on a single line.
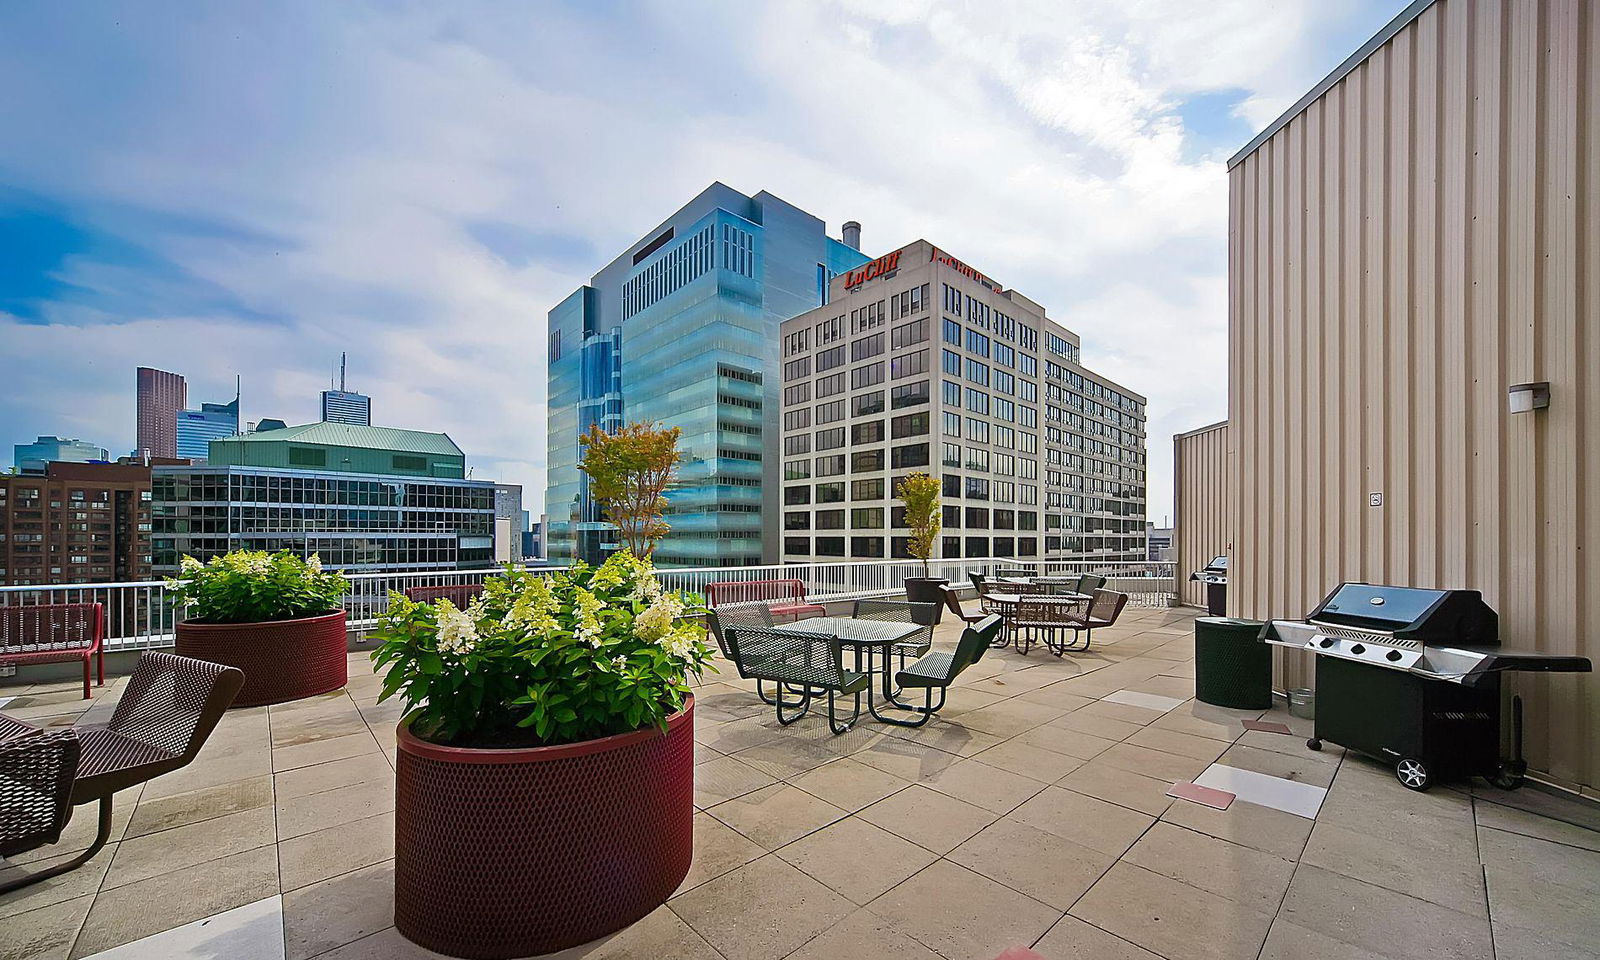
{"points": [[628, 472]]}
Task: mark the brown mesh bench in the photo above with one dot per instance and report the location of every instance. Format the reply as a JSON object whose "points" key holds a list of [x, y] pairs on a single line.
{"points": [[782, 597], [163, 719], [459, 594], [54, 633]]}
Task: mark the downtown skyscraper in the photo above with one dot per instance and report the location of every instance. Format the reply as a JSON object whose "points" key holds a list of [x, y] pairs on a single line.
{"points": [[682, 329]]}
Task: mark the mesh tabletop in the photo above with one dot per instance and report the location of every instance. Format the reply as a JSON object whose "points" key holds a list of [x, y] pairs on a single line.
{"points": [[861, 632], [1040, 597]]}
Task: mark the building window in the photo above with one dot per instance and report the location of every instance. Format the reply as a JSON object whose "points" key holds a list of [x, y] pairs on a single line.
{"points": [[830, 358], [908, 334], [797, 444], [830, 412], [795, 369], [866, 489], [909, 395], [977, 372], [796, 546], [796, 496], [866, 348], [831, 439], [799, 393], [866, 548], [867, 376], [866, 404], [952, 424], [866, 461], [830, 385], [911, 425], [830, 492], [866, 518], [951, 363], [797, 470], [797, 419], [911, 455], [977, 343], [830, 547], [950, 455], [977, 401], [864, 433], [908, 365], [831, 465], [797, 520], [830, 520]]}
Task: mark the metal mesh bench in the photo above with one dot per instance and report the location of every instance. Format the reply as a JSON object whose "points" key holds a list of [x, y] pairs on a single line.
{"points": [[936, 671], [54, 633]]}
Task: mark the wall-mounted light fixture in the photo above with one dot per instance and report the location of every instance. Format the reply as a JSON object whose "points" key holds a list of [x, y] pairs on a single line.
{"points": [[1527, 397]]}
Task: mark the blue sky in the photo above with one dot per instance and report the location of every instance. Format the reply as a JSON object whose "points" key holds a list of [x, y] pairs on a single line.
{"points": [[245, 188]]}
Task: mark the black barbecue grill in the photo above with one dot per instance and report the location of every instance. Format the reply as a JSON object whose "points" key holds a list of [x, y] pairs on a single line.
{"points": [[1413, 676], [1215, 577]]}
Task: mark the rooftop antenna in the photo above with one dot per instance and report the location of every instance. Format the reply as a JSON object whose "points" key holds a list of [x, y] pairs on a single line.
{"points": [[341, 371]]}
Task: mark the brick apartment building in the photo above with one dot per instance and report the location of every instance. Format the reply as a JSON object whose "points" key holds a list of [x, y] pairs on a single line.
{"points": [[76, 523]]}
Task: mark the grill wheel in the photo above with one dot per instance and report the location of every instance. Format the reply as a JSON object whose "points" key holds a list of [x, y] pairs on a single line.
{"points": [[1413, 774]]}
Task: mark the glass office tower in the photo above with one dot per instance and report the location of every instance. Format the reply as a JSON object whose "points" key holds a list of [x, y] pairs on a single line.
{"points": [[682, 329], [197, 428]]}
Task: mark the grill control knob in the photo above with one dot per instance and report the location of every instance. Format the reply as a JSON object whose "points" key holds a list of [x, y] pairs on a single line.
{"points": [[1325, 642], [1358, 649], [1393, 655]]}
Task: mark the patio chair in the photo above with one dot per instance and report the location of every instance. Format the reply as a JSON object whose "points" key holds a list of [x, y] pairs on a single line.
{"points": [[170, 707], [55, 633], [1033, 620], [728, 616], [1089, 583], [1103, 611], [952, 601], [901, 611], [460, 594], [805, 665], [936, 671]]}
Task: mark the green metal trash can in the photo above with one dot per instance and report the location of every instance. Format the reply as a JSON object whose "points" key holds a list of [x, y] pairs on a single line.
{"points": [[1231, 667]]}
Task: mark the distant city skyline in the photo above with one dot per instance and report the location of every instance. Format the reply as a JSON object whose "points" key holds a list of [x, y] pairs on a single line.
{"points": [[419, 184]]}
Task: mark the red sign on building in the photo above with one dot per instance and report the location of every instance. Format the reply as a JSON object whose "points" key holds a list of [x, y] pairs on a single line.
{"points": [[887, 263]]}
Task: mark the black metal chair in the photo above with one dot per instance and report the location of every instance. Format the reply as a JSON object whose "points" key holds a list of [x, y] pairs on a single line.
{"points": [[803, 665], [170, 707], [1089, 583], [936, 671], [952, 600], [901, 611], [1103, 611], [732, 615]]}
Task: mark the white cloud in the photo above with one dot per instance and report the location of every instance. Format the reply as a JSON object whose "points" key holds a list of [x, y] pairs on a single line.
{"points": [[349, 149]]}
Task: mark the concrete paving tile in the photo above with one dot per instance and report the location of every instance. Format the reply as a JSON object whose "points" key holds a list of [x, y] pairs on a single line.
{"points": [[164, 813], [213, 766], [1518, 943], [856, 859], [181, 848], [726, 778], [254, 930], [1541, 861], [83, 881], [963, 915], [1171, 918], [1073, 939], [172, 899], [1010, 717], [782, 759], [1250, 877], [718, 848], [776, 814], [1030, 761], [863, 934], [83, 826], [311, 725], [908, 761], [341, 910], [1072, 743], [1184, 720], [764, 909], [1152, 763], [739, 735], [1290, 941], [1513, 820], [1554, 911], [1248, 824], [317, 811], [1086, 821], [949, 736], [1122, 787], [1189, 745], [321, 777], [1096, 725], [1306, 766], [338, 849], [321, 751], [848, 783], [45, 933], [994, 789], [661, 933], [1039, 864], [1437, 866], [1057, 695], [1379, 920], [928, 818], [1303, 799], [1141, 714], [386, 944]]}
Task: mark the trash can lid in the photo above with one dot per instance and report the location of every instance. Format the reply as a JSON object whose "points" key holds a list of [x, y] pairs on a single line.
{"points": [[1231, 621]]}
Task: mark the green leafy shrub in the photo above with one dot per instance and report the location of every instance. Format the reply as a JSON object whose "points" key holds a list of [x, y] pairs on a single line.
{"points": [[543, 659], [253, 586]]}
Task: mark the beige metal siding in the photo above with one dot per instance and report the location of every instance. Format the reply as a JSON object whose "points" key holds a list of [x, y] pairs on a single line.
{"points": [[1418, 238], [1200, 528]]}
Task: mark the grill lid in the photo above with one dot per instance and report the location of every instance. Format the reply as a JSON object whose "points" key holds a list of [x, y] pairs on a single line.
{"points": [[1414, 614]]}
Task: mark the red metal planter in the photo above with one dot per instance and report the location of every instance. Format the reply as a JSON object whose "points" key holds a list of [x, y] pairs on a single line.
{"points": [[511, 853], [282, 660]]}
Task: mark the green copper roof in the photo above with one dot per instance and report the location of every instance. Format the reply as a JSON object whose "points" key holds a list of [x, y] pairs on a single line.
{"points": [[361, 437]]}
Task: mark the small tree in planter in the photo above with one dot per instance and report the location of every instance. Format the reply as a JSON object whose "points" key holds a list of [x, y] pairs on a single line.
{"points": [[546, 757], [629, 471], [919, 492], [276, 616]]}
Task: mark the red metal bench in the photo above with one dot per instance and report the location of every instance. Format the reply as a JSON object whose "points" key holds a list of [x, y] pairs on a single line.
{"points": [[783, 597], [54, 633], [459, 594]]}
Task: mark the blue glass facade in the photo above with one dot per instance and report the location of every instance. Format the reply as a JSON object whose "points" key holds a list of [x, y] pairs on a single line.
{"points": [[683, 329], [197, 428]]}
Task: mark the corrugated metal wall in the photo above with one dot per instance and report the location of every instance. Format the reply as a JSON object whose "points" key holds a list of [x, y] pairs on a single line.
{"points": [[1200, 529], [1420, 237]]}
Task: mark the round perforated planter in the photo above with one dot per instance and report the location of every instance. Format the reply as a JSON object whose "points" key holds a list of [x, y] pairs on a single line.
{"points": [[512, 853], [282, 660]]}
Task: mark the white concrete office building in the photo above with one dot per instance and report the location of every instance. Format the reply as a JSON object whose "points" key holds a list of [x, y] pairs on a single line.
{"points": [[919, 363]]}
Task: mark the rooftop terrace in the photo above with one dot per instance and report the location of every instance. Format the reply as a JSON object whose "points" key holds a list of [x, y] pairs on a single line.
{"points": [[1032, 812]]}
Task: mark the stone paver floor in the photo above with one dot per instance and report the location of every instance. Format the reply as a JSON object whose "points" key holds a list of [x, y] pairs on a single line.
{"points": [[1033, 813]]}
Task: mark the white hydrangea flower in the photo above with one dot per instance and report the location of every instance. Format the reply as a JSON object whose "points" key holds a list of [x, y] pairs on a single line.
{"points": [[315, 563], [657, 620], [458, 634], [189, 564]]}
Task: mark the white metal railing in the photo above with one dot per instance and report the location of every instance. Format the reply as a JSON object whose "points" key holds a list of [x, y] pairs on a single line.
{"points": [[142, 615]]}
